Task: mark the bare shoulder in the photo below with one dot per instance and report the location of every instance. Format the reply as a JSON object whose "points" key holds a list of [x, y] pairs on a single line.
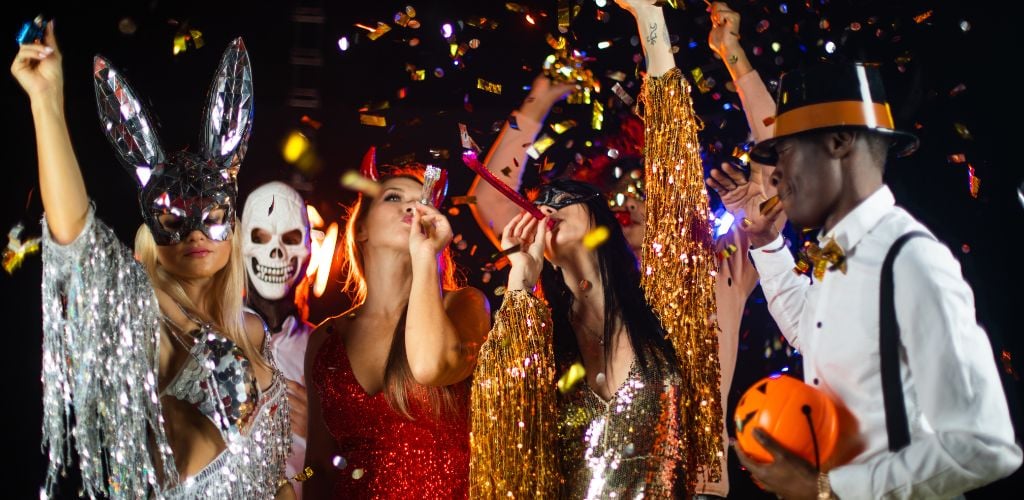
{"points": [[467, 299], [333, 325], [255, 328]]}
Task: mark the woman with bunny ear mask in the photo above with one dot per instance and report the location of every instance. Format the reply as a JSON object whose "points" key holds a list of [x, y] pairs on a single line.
{"points": [[172, 391]]}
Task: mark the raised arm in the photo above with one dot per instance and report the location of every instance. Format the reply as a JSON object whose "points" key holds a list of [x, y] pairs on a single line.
{"points": [[507, 157], [513, 415], [678, 247], [37, 67], [442, 333]]}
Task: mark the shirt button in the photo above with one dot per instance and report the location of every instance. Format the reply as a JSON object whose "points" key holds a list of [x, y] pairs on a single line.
{"points": [[729, 282], [819, 324], [815, 380]]}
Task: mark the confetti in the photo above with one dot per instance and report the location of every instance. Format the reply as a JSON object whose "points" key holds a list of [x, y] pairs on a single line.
{"points": [[356, 182], [595, 237], [296, 145], [358, 474], [571, 377], [372, 120], [563, 126], [962, 131], [486, 86], [924, 16], [186, 39], [17, 250], [973, 182], [957, 158], [540, 146], [622, 94], [418, 75], [466, 139], [727, 252], [768, 204], [339, 462], [597, 118]]}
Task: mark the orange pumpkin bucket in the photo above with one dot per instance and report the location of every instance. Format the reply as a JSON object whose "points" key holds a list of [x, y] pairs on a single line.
{"points": [[801, 418]]}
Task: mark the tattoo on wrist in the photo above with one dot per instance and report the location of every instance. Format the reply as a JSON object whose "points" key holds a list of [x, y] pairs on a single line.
{"points": [[652, 36]]}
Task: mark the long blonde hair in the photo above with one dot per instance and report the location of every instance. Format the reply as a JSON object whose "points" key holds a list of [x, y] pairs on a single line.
{"points": [[398, 379], [224, 303]]}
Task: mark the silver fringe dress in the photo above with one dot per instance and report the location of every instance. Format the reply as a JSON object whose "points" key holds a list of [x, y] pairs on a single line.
{"points": [[101, 335]]}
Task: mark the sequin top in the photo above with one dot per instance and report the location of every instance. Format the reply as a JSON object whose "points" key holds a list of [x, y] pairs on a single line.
{"points": [[101, 337], [383, 454], [655, 436], [626, 447]]}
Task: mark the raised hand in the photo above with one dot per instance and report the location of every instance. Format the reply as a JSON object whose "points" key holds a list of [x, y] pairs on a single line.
{"points": [[430, 233], [724, 37], [37, 67], [529, 234], [743, 198]]}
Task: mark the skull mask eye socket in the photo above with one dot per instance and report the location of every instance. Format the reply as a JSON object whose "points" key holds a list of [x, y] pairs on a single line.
{"points": [[260, 236], [293, 237]]}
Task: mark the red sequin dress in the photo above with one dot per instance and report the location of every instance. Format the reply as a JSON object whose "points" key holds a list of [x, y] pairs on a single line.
{"points": [[386, 455]]}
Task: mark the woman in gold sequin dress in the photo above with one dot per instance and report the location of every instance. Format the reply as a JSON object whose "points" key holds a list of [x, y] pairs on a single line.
{"points": [[645, 419]]}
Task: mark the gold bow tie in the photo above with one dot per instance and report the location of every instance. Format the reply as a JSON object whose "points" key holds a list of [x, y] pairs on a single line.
{"points": [[820, 259]]}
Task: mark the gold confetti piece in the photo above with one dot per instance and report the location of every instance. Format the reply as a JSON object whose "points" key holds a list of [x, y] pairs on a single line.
{"points": [[357, 474], [595, 237], [466, 139], [597, 119], [499, 291], [17, 250], [494, 88], [514, 7], [418, 75], [372, 120], [616, 75], [375, 32], [540, 146], [974, 183], [561, 127], [564, 14], [920, 18], [957, 158], [962, 131], [187, 38], [727, 252], [507, 171], [571, 377], [768, 204], [356, 182]]}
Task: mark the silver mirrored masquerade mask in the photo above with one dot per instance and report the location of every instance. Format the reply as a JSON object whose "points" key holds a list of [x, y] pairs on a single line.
{"points": [[182, 192]]}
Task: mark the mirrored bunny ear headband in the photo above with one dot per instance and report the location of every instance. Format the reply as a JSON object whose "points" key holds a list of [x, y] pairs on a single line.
{"points": [[183, 191]]}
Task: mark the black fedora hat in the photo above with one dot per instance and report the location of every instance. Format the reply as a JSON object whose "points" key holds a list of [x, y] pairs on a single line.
{"points": [[829, 96]]}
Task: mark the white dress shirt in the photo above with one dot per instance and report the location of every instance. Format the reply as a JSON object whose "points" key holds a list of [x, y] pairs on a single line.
{"points": [[961, 434]]}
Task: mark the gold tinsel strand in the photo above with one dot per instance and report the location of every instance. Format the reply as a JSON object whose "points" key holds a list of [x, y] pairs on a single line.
{"points": [[513, 417], [679, 262]]}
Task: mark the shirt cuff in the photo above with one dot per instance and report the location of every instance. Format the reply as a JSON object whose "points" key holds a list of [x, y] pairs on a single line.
{"points": [[773, 259]]}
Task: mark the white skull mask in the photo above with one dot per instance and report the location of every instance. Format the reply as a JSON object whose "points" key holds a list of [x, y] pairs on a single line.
{"points": [[275, 228]]}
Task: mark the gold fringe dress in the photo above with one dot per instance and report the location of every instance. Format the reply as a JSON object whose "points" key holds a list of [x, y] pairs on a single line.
{"points": [[655, 435]]}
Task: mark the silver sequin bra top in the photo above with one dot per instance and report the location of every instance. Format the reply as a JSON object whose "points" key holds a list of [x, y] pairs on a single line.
{"points": [[217, 379]]}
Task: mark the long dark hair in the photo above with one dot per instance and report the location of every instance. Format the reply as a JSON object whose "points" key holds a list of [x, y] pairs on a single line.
{"points": [[624, 300]]}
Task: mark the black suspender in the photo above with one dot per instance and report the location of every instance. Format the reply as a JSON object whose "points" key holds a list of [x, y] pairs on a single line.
{"points": [[896, 425]]}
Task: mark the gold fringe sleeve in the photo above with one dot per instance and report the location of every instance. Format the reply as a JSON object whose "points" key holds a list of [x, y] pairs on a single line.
{"points": [[678, 263], [513, 413]]}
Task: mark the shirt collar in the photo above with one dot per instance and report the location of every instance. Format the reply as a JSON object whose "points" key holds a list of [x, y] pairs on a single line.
{"points": [[849, 231]]}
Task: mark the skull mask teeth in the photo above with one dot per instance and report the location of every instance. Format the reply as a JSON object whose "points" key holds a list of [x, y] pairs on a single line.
{"points": [[275, 229]]}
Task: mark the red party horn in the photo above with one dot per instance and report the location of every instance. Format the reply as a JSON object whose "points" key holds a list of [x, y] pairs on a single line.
{"points": [[469, 158]]}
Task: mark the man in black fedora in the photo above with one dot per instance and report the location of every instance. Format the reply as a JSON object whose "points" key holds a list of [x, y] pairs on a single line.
{"points": [[885, 321]]}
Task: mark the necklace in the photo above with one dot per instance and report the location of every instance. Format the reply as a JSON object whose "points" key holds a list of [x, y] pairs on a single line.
{"points": [[598, 336]]}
